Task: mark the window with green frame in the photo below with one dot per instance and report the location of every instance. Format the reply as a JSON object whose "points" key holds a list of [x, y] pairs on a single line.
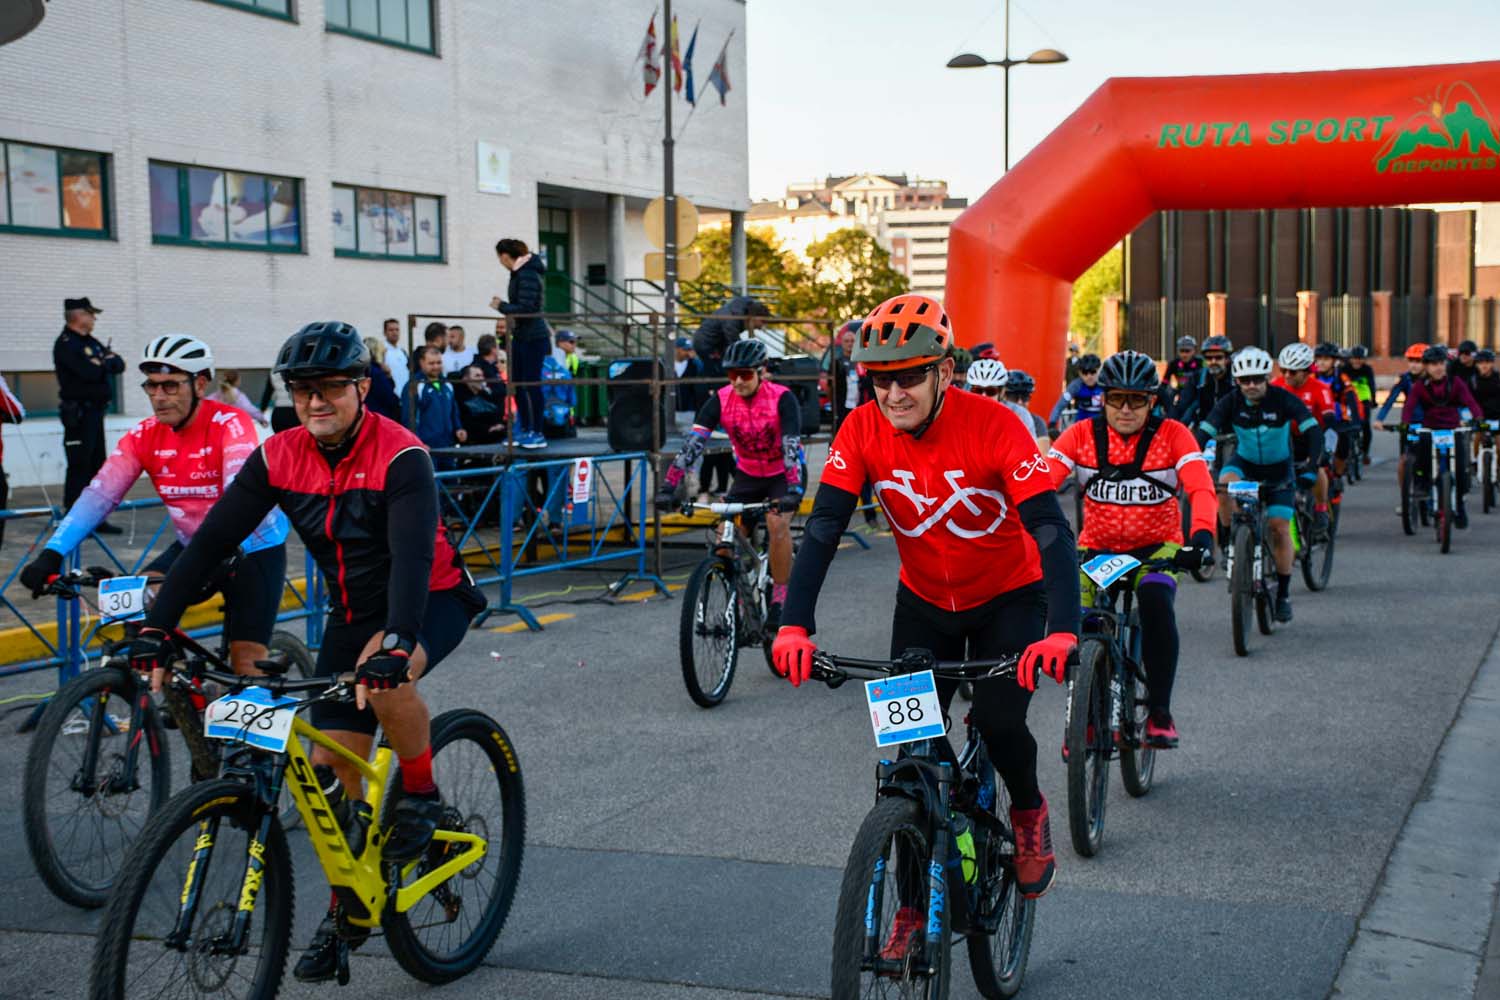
{"points": [[207, 206], [37, 391], [271, 8], [369, 222], [407, 23], [54, 192]]}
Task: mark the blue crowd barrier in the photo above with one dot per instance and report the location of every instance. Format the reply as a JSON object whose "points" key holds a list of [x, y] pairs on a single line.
{"points": [[584, 526]]}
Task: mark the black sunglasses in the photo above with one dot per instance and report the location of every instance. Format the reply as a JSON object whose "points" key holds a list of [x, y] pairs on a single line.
{"points": [[908, 378]]}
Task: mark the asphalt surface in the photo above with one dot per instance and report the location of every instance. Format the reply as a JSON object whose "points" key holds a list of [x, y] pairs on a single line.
{"points": [[679, 853]]}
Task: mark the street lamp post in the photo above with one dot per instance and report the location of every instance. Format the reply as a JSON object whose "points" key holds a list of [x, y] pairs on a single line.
{"points": [[969, 60]]}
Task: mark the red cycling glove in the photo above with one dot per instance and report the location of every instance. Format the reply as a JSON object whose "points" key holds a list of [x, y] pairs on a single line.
{"points": [[1051, 655], [792, 654]]}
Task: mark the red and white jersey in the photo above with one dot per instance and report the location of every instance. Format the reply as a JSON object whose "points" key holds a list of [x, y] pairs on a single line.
{"points": [[950, 495], [1315, 395], [1125, 514]]}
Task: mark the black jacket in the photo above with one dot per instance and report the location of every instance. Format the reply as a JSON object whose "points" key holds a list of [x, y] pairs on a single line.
{"points": [[1487, 394], [479, 411], [690, 397], [525, 296], [722, 328], [382, 395], [84, 367]]}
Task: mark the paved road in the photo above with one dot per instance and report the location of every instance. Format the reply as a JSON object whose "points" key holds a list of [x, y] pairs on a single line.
{"points": [[677, 853]]}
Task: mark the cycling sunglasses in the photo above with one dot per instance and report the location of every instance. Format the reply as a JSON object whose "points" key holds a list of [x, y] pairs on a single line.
{"points": [[1251, 379], [739, 374], [1127, 400], [909, 378], [992, 391]]}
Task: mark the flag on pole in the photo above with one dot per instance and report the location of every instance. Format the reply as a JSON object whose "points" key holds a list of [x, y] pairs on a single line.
{"points": [[718, 77], [687, 60], [676, 58], [650, 72]]}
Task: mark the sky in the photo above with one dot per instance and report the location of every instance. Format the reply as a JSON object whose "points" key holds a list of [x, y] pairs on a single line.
{"points": [[844, 86]]}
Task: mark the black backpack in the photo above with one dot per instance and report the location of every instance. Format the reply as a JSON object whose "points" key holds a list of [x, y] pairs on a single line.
{"points": [[1111, 473]]}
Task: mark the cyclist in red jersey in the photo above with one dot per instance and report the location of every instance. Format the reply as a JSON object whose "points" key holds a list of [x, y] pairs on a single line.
{"points": [[359, 490], [1296, 363], [191, 448], [1130, 506], [987, 563]]}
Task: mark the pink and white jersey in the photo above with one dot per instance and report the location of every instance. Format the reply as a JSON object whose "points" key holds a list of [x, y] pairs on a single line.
{"points": [[190, 468]]}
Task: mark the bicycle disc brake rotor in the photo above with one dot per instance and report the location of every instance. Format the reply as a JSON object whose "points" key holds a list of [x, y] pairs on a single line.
{"points": [[209, 965]]}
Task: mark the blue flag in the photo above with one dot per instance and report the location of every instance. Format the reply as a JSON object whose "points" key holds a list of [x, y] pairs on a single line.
{"points": [[718, 77], [687, 61]]}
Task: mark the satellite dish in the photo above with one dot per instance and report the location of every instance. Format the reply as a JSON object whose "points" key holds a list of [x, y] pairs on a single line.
{"points": [[17, 17]]}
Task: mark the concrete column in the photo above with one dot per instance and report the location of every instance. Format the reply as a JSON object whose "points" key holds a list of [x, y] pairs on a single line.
{"points": [[1307, 317], [1457, 313], [737, 273], [1380, 324], [1109, 324], [1218, 314], [615, 254]]}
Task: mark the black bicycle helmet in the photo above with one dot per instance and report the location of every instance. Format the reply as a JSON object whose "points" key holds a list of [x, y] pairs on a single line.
{"points": [[1359, 351], [1088, 363], [1467, 347], [323, 349], [1186, 344], [1129, 370], [1326, 350], [747, 353], [1435, 353], [1218, 342], [1019, 383], [1484, 354]]}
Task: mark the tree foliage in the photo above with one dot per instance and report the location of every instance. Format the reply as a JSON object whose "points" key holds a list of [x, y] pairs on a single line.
{"points": [[1105, 277]]}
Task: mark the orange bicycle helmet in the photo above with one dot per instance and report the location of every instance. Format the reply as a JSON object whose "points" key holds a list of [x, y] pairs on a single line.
{"points": [[1414, 352], [903, 332]]}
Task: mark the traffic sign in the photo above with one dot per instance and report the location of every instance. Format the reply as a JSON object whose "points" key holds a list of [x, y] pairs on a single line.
{"points": [[656, 222]]}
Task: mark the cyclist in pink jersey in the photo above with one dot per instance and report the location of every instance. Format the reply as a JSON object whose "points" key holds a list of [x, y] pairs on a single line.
{"points": [[764, 425], [190, 448]]}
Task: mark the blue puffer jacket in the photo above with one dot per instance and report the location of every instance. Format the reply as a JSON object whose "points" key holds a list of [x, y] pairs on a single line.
{"points": [[525, 296], [431, 412]]}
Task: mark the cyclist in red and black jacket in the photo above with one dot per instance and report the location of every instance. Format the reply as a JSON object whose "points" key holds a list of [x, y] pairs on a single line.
{"points": [[358, 488]]}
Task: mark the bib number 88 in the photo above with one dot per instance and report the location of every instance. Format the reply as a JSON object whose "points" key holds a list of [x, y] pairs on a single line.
{"points": [[912, 711]]}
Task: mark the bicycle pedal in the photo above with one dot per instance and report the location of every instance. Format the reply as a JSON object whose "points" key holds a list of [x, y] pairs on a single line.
{"points": [[343, 970]]}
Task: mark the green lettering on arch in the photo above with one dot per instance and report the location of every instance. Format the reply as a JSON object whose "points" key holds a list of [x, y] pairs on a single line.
{"points": [[1241, 135], [1169, 136], [1327, 130], [1278, 134], [1300, 127], [1354, 130], [1187, 135]]}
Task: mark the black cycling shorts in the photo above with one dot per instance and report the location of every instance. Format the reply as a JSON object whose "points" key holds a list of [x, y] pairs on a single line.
{"points": [[755, 489], [448, 615], [250, 584]]}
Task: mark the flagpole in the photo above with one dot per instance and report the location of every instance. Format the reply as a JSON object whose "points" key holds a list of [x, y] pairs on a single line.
{"points": [[669, 197]]}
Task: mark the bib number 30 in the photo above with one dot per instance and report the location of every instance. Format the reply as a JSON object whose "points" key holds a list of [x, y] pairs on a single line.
{"points": [[904, 709]]}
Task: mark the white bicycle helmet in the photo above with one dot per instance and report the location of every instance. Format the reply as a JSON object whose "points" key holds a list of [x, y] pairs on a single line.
{"points": [[1295, 357], [986, 373], [1250, 361], [178, 351]]}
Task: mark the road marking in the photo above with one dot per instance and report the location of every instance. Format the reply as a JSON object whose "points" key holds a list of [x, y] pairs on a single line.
{"points": [[641, 595], [556, 616]]}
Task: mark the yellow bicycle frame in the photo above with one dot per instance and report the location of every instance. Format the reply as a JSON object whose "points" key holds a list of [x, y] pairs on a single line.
{"points": [[358, 881]]}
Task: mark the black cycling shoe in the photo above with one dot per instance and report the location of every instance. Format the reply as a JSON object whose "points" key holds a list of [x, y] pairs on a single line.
{"points": [[327, 956], [1283, 609], [1320, 526], [414, 819]]}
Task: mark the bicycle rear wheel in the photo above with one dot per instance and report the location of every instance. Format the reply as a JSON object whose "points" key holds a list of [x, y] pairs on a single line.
{"points": [[447, 933], [887, 872], [708, 635], [998, 960], [1137, 760], [1442, 522], [1487, 479], [1409, 500], [83, 804], [1317, 557], [1241, 590], [205, 833], [1089, 745]]}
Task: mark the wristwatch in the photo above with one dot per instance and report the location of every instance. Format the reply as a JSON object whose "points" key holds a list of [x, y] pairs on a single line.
{"points": [[398, 642]]}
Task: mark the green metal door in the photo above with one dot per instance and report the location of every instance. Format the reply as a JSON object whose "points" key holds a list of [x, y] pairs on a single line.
{"points": [[553, 236]]}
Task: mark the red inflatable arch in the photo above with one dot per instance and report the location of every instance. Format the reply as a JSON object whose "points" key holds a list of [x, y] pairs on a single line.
{"points": [[1293, 140]]}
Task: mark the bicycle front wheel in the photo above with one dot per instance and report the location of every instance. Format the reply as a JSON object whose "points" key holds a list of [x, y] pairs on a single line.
{"points": [[169, 929], [447, 933], [886, 878], [87, 791], [1409, 500], [709, 633], [1089, 744], [1487, 480], [1443, 522], [1241, 590]]}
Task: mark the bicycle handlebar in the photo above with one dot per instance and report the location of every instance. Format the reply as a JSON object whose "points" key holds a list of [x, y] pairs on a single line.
{"points": [[834, 670], [68, 584], [731, 509]]}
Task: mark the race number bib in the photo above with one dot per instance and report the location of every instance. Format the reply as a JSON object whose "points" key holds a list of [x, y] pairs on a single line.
{"points": [[254, 717], [1244, 489], [122, 598], [1106, 569], [905, 709], [1443, 439]]}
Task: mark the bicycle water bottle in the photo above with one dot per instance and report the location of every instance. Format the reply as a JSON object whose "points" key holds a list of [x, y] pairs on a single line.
{"points": [[352, 817], [963, 836]]}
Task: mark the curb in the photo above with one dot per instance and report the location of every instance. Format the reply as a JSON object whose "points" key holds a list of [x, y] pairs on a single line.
{"points": [[1425, 930]]}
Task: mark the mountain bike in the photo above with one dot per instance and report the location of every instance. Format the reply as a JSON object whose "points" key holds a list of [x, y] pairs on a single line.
{"points": [[1249, 565], [934, 844], [1484, 463], [1410, 509], [91, 780], [1106, 714], [726, 600], [1435, 477], [204, 902]]}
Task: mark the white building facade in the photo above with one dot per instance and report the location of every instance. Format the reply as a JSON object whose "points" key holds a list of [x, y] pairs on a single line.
{"points": [[234, 170]]}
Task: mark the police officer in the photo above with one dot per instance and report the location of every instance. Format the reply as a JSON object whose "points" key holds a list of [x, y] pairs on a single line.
{"points": [[84, 368]]}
